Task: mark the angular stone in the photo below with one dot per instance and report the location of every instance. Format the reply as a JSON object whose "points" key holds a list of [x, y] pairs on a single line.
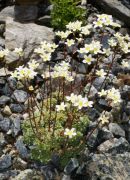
{"points": [[115, 146], [71, 166], [4, 100], [4, 72], [17, 108], [116, 130], [7, 111], [12, 60], [2, 140], [27, 36], [16, 123], [5, 162], [25, 13], [20, 96], [23, 152], [5, 124], [108, 167]]}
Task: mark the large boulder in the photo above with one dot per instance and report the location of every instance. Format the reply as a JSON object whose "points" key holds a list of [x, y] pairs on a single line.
{"points": [[105, 166], [115, 8], [6, 12], [25, 35]]}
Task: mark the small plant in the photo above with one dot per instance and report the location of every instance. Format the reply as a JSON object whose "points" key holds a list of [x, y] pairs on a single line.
{"points": [[56, 122], [65, 11]]}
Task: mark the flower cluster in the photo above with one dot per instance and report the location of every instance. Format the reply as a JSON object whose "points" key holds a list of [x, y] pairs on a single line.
{"points": [[105, 20], [74, 26], [45, 50], [62, 70], [104, 118], [111, 94], [123, 42], [94, 48], [78, 101], [24, 73]]}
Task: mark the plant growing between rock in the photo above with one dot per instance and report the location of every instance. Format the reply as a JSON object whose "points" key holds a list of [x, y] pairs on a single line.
{"points": [[57, 120], [65, 11]]}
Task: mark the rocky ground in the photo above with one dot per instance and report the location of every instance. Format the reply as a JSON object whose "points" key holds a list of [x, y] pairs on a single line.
{"points": [[107, 156]]}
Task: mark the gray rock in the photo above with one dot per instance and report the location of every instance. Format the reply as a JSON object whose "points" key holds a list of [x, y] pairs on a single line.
{"points": [[4, 100], [2, 29], [5, 162], [25, 13], [116, 130], [2, 140], [71, 166], [115, 8], [66, 177], [6, 12], [19, 96], [1, 117], [25, 175], [12, 60], [20, 146], [98, 82], [115, 146], [5, 124], [16, 122], [2, 42], [108, 167], [45, 20], [27, 36], [3, 73], [93, 91], [92, 141], [12, 83], [16, 108], [4, 176], [105, 134]]}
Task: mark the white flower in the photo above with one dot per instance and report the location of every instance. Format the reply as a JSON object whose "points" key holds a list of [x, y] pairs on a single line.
{"points": [[63, 34], [74, 26], [102, 93], [72, 98], [98, 24], [69, 42], [70, 132], [87, 103], [125, 64], [104, 118], [112, 42], [61, 107], [107, 52], [3, 53], [23, 73], [101, 73], [114, 95], [88, 59], [33, 64], [45, 56], [19, 51], [86, 29]]}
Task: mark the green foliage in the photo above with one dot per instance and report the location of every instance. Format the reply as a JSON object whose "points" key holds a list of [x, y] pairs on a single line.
{"points": [[65, 11], [66, 148]]}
